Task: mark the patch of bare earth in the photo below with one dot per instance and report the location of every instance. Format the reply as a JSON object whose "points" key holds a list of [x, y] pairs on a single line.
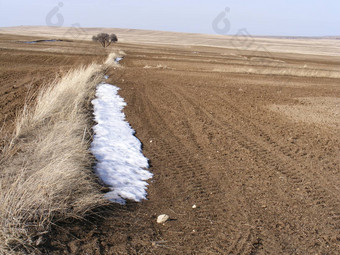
{"points": [[324, 111]]}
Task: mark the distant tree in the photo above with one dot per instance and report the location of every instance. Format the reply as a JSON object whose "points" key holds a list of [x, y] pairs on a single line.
{"points": [[105, 39]]}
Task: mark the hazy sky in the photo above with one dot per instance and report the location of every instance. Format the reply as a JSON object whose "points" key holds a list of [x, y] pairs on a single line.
{"points": [[259, 17]]}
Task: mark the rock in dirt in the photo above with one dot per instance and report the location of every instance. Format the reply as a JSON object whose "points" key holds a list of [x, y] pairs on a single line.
{"points": [[162, 218]]}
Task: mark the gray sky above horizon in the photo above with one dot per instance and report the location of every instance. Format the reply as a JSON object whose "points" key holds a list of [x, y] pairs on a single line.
{"points": [[259, 17]]}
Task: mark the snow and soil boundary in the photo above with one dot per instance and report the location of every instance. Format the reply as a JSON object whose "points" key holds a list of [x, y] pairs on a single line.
{"points": [[46, 168]]}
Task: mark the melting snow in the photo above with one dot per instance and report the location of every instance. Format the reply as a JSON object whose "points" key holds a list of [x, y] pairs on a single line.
{"points": [[120, 162], [117, 60]]}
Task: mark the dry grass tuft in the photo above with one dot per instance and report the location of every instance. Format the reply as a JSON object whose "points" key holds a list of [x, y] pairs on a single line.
{"points": [[110, 61], [46, 173]]}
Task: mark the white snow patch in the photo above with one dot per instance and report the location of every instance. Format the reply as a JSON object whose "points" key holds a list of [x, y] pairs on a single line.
{"points": [[118, 59], [120, 161], [106, 77]]}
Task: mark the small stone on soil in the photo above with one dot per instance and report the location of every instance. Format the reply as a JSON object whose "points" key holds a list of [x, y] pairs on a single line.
{"points": [[162, 218]]}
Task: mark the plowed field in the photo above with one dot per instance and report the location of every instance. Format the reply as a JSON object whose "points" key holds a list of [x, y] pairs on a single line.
{"points": [[223, 132]]}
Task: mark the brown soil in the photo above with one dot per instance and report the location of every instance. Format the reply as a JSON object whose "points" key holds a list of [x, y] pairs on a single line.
{"points": [[262, 182]]}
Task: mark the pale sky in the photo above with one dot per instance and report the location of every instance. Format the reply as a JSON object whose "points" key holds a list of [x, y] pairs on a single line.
{"points": [[259, 17]]}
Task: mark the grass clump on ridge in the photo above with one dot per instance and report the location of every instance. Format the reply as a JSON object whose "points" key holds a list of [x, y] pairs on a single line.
{"points": [[45, 171]]}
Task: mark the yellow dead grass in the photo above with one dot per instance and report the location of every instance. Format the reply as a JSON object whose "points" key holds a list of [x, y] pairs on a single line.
{"points": [[280, 70], [46, 170]]}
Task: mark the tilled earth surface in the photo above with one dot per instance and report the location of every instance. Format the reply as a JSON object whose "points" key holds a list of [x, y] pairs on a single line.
{"points": [[234, 175]]}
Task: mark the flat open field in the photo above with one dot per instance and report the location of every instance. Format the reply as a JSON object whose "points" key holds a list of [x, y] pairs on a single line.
{"points": [[251, 139]]}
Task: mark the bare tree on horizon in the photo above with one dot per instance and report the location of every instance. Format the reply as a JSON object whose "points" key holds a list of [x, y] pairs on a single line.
{"points": [[105, 39]]}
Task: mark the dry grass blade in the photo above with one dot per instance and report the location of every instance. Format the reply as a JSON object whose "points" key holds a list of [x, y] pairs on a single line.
{"points": [[46, 170]]}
